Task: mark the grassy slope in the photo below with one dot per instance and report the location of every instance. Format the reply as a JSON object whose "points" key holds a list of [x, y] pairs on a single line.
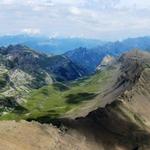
{"points": [[57, 99]]}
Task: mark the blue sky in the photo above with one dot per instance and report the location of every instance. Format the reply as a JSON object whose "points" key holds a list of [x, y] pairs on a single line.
{"points": [[103, 19]]}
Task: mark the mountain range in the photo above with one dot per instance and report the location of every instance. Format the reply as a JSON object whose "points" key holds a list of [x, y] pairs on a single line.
{"points": [[48, 45], [57, 46], [107, 110], [95, 98], [85, 53]]}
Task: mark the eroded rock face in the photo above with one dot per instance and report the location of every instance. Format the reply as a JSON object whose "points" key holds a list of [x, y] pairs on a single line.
{"points": [[106, 62]]}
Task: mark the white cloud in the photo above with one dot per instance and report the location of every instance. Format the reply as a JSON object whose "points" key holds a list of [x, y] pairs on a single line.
{"points": [[31, 31], [75, 11]]}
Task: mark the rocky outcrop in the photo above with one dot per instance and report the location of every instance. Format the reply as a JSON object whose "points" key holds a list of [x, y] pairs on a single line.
{"points": [[106, 62]]}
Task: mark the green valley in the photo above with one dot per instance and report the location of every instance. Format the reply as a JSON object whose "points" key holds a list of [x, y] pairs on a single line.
{"points": [[57, 99]]}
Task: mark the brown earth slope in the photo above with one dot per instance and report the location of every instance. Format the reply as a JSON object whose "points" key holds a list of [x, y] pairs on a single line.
{"points": [[34, 136]]}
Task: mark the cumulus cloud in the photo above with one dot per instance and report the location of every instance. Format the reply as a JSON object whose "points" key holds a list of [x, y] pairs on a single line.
{"points": [[75, 11], [31, 31]]}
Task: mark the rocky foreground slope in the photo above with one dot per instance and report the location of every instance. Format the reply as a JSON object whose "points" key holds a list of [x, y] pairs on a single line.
{"points": [[121, 123], [34, 136]]}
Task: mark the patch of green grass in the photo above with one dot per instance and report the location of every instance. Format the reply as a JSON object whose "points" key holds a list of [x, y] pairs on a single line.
{"points": [[11, 116]]}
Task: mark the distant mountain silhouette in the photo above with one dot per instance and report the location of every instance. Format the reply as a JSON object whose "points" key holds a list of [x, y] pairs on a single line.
{"points": [[49, 45]]}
